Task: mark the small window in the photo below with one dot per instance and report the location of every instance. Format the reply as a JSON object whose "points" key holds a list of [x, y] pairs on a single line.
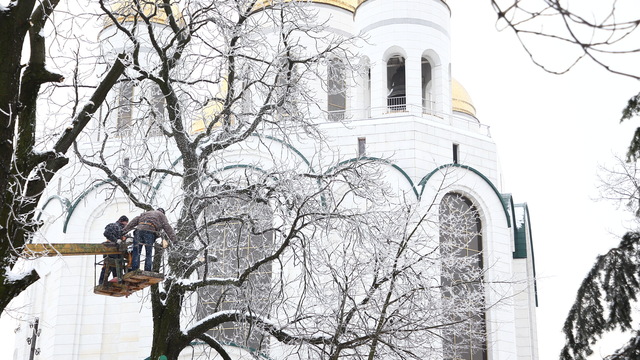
{"points": [[156, 111], [126, 166], [125, 100], [362, 144], [456, 153]]}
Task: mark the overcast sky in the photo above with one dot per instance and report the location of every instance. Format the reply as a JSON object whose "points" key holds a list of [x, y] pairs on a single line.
{"points": [[552, 133]]}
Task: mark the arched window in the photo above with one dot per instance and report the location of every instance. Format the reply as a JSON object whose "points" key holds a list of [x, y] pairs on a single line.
{"points": [[336, 89], [235, 234], [427, 101], [461, 236], [396, 84]]}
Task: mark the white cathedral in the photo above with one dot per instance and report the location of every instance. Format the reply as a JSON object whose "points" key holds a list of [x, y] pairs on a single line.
{"points": [[401, 105]]}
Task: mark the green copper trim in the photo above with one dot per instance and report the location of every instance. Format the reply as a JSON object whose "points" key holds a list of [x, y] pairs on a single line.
{"points": [[242, 166], [521, 245], [426, 178], [155, 189], [386, 162], [64, 201], [72, 208], [289, 146]]}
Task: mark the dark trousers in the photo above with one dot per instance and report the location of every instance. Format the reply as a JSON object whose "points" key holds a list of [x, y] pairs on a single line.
{"points": [[146, 238], [112, 268]]}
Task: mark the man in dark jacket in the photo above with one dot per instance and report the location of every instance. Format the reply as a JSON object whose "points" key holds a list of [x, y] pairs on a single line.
{"points": [[148, 226], [113, 233]]}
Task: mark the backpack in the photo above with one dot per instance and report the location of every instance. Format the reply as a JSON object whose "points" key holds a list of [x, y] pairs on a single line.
{"points": [[112, 232]]}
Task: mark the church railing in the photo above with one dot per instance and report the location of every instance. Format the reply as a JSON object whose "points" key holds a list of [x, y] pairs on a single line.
{"points": [[458, 121]]}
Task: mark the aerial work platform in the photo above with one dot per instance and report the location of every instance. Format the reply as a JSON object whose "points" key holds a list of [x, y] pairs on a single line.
{"points": [[125, 284], [130, 283]]}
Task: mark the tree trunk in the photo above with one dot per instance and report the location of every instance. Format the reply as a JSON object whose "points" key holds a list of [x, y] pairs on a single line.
{"points": [[167, 339], [14, 24]]}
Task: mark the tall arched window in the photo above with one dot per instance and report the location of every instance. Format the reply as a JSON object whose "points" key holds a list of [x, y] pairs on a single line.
{"points": [[427, 101], [235, 234], [396, 84], [461, 236], [336, 89]]}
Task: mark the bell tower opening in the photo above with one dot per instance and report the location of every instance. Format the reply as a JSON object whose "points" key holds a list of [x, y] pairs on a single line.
{"points": [[427, 100], [396, 84], [336, 92]]}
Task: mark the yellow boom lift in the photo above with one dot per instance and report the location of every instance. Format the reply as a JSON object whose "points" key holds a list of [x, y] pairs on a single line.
{"points": [[125, 284]]}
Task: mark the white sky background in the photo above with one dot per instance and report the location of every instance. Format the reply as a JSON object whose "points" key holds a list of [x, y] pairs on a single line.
{"points": [[552, 132]]}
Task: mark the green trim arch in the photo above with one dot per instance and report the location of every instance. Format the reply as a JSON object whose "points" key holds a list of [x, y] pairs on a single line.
{"points": [[64, 201], [426, 178], [287, 145], [242, 166], [72, 208], [507, 201], [384, 161], [164, 176]]}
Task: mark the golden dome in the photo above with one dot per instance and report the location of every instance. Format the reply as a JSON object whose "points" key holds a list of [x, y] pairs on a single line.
{"points": [[460, 99], [345, 4], [126, 11], [349, 5]]}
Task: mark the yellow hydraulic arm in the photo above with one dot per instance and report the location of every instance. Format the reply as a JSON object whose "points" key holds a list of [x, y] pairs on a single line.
{"points": [[70, 249]]}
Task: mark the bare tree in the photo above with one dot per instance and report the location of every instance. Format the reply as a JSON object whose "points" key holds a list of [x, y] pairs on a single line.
{"points": [[600, 31], [273, 251], [605, 32], [30, 87]]}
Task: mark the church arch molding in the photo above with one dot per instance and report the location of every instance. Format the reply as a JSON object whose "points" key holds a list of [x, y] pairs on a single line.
{"points": [[423, 182]]}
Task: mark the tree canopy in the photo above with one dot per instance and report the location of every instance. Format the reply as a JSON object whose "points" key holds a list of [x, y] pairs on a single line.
{"points": [[273, 250]]}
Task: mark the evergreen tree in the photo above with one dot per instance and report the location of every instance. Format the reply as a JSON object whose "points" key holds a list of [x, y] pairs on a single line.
{"points": [[605, 298], [604, 302]]}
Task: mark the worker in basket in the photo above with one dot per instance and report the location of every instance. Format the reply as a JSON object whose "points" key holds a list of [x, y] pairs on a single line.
{"points": [[148, 226], [113, 233]]}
